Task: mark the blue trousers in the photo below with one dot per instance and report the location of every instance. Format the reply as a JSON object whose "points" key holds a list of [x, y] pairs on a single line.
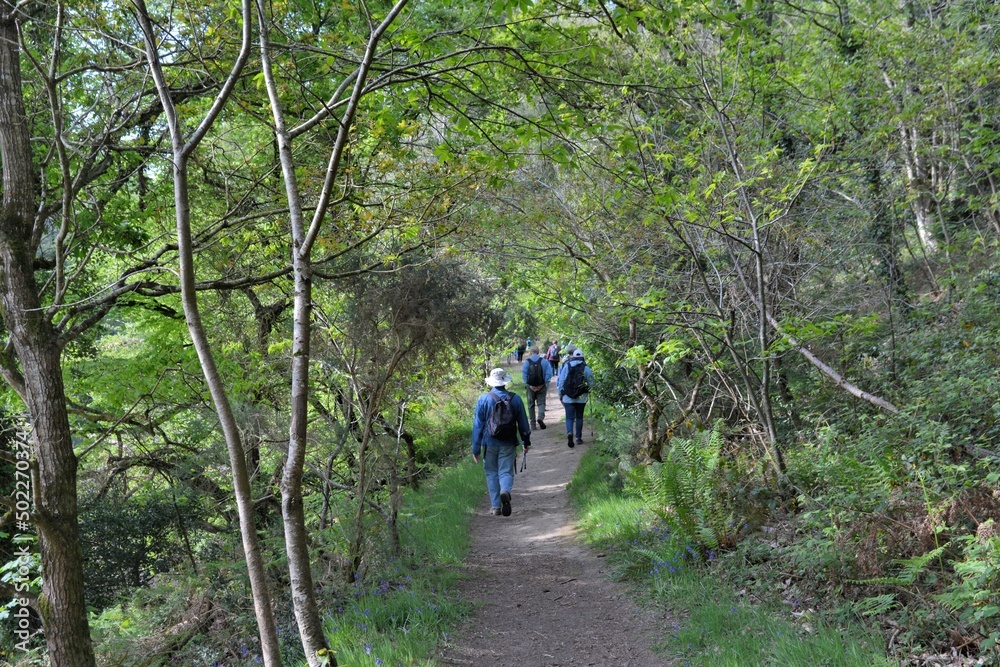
{"points": [[498, 462], [574, 417]]}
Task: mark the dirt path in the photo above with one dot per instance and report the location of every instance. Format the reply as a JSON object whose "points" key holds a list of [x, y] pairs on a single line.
{"points": [[543, 598]]}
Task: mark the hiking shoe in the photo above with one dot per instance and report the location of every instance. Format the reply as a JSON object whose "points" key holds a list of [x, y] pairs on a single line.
{"points": [[495, 511], [541, 424], [569, 440], [579, 441], [505, 503]]}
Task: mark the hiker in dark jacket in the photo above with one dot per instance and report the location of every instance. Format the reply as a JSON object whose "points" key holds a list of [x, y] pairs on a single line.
{"points": [[536, 387], [575, 380], [499, 451]]}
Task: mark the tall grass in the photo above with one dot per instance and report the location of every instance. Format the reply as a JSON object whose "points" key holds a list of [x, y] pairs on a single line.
{"points": [[716, 627], [399, 622], [437, 523]]}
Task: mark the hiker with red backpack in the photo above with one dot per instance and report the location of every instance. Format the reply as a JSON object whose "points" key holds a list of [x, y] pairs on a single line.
{"points": [[574, 383], [536, 373], [498, 418]]}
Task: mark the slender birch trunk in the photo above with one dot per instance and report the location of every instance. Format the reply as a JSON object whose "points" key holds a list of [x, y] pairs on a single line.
{"points": [[303, 237], [182, 149]]}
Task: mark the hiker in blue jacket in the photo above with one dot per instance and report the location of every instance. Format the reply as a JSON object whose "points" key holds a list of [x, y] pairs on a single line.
{"points": [[574, 383], [498, 418], [536, 373]]}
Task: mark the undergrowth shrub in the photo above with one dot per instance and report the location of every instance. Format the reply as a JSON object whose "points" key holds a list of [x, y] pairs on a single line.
{"points": [[895, 517], [442, 429], [975, 594], [687, 491], [394, 616], [719, 623], [126, 542]]}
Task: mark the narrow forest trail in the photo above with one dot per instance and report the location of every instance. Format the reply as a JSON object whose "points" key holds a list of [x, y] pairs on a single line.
{"points": [[543, 599]]}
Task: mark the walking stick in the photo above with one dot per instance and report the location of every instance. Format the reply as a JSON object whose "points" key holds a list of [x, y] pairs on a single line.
{"points": [[524, 460]]}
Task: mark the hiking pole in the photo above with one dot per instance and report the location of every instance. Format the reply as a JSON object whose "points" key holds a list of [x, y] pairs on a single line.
{"points": [[524, 460]]}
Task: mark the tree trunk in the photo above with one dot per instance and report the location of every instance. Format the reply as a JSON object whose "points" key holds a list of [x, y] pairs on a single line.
{"points": [[760, 396], [64, 614], [189, 298], [395, 501], [411, 460], [292, 508], [303, 237], [654, 443], [915, 156], [837, 378], [227, 421], [356, 549]]}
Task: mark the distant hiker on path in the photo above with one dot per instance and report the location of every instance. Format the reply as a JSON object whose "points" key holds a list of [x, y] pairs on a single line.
{"points": [[536, 373], [575, 380], [521, 347], [498, 418], [552, 355]]}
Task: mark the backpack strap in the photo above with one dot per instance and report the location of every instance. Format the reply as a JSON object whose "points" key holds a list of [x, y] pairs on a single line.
{"points": [[497, 398]]}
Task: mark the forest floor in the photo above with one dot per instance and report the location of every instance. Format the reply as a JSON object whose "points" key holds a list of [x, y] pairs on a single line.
{"points": [[542, 598]]}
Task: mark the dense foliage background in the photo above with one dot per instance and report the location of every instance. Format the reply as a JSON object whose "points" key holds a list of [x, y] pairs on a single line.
{"points": [[772, 225]]}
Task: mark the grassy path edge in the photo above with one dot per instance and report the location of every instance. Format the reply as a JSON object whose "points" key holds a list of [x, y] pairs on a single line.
{"points": [[720, 624]]}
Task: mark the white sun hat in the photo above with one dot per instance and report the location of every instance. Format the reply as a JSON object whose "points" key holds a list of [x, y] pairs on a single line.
{"points": [[498, 378]]}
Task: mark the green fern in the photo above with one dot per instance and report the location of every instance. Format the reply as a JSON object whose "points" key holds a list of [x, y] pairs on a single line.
{"points": [[875, 605], [910, 570], [974, 594], [686, 493]]}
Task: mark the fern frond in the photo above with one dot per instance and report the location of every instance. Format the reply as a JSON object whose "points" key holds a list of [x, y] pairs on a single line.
{"points": [[910, 570], [685, 491], [875, 605]]}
